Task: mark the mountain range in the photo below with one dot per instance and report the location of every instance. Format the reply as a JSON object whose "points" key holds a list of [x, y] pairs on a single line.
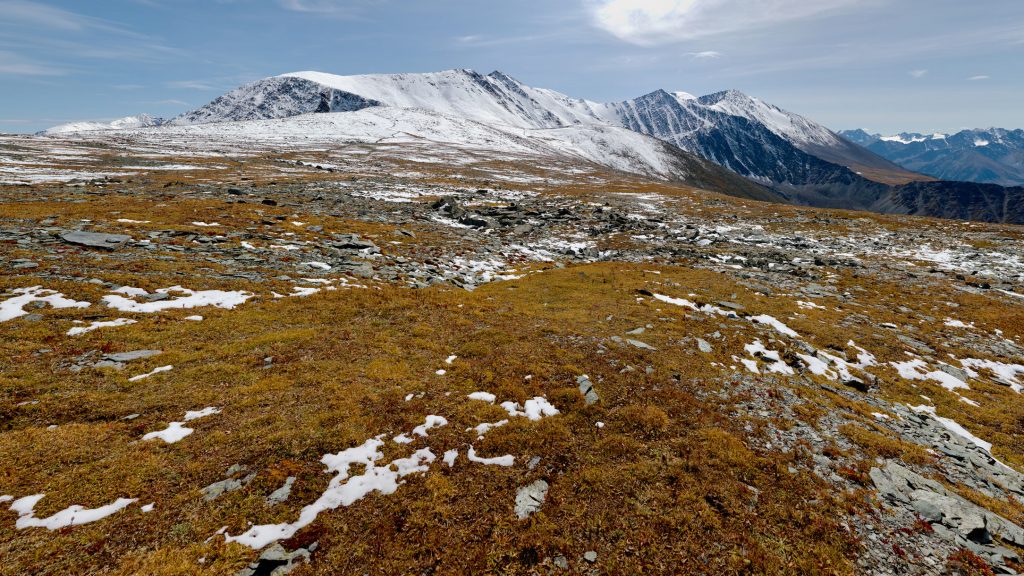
{"points": [[137, 121], [993, 155], [767, 153]]}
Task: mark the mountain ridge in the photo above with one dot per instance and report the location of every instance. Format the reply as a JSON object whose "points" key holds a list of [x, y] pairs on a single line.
{"points": [[982, 155], [761, 151]]}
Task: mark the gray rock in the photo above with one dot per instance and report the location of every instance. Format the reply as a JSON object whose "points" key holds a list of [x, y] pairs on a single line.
{"points": [[590, 556], [276, 561], [561, 562], [95, 239], [587, 389], [218, 489], [353, 242], [923, 496], [281, 494], [641, 345], [530, 498], [130, 356], [703, 346], [927, 510]]}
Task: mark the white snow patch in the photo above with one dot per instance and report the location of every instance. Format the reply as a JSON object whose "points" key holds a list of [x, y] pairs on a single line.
{"points": [[953, 427], [176, 431], [484, 396], [506, 460], [776, 324], [14, 307], [539, 407], [70, 516], [189, 299], [148, 374], [343, 490], [486, 427], [770, 357], [916, 370], [97, 325], [1006, 372], [431, 421], [449, 457]]}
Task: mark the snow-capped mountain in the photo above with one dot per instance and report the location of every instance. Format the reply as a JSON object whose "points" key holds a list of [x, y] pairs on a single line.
{"points": [[495, 99], [609, 146], [993, 155], [138, 121], [755, 139], [743, 134]]}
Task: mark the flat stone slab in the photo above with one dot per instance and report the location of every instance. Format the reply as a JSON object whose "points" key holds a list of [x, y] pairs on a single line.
{"points": [[95, 239], [130, 356], [530, 498]]}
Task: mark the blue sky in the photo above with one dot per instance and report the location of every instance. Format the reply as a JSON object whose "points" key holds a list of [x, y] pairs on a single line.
{"points": [[885, 65]]}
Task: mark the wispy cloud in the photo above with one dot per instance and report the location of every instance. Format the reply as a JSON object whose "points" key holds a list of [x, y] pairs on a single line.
{"points": [[918, 73], [14, 65], [336, 8], [21, 12], [168, 102], [705, 55], [651, 22], [191, 85], [979, 77], [480, 41]]}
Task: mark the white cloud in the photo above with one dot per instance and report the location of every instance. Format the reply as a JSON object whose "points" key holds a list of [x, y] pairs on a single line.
{"points": [[979, 77], [918, 73], [705, 55], [648, 22]]}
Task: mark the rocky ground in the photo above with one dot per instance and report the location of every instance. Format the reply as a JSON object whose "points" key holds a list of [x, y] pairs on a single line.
{"points": [[503, 364]]}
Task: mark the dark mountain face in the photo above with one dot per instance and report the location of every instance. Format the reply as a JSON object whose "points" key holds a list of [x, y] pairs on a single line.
{"points": [[993, 156], [275, 98], [859, 137], [749, 148], [742, 145], [956, 200]]}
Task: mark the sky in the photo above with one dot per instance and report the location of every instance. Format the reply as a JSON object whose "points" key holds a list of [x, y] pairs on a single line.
{"points": [[883, 65]]}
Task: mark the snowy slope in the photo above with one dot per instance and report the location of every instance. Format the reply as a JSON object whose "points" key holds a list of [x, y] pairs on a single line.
{"points": [[493, 99], [447, 135], [744, 134], [795, 128], [139, 121]]}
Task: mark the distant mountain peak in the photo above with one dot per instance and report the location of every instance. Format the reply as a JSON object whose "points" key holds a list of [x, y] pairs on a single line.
{"points": [[128, 122]]}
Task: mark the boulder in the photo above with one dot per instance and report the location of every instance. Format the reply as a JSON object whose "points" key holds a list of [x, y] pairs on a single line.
{"points": [[95, 239]]}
